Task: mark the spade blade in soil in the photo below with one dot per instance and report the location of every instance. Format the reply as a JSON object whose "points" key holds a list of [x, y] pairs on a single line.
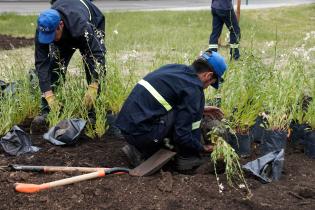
{"points": [[153, 164]]}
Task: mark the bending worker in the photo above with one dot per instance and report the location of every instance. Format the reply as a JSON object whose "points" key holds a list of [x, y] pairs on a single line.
{"points": [[169, 104], [223, 13], [67, 26]]}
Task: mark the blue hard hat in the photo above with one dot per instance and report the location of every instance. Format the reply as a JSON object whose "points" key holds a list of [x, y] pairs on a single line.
{"points": [[47, 23], [217, 64]]}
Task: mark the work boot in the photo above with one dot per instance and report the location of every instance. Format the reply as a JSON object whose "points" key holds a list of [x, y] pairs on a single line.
{"points": [[133, 155], [188, 163], [39, 124]]}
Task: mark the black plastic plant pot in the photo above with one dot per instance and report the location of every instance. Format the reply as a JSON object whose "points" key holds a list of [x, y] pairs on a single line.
{"points": [[256, 132], [298, 133], [273, 141], [241, 143], [309, 144]]}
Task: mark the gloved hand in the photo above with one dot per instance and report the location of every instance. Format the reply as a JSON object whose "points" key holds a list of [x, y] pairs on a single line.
{"points": [[90, 95], [53, 103]]}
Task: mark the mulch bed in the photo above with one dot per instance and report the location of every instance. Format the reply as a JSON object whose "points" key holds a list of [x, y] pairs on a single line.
{"points": [[164, 190], [8, 42]]}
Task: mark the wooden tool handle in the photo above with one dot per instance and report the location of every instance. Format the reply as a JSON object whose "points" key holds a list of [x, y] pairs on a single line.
{"points": [[238, 10], [53, 168], [33, 188]]}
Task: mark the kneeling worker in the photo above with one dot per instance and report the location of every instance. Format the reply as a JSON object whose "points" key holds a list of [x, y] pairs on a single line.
{"points": [[169, 103]]}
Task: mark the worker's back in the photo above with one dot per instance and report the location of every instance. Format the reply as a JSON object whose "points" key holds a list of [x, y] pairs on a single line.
{"points": [[77, 14], [177, 84]]}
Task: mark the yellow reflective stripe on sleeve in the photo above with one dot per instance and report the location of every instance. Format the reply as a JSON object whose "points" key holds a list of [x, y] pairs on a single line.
{"points": [[234, 46], [155, 94], [87, 8], [196, 125], [213, 46]]}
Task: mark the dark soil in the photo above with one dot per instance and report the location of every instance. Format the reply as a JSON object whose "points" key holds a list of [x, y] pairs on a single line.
{"points": [[164, 190], [8, 42]]}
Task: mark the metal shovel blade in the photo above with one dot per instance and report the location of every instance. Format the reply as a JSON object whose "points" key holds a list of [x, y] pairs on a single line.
{"points": [[153, 164]]}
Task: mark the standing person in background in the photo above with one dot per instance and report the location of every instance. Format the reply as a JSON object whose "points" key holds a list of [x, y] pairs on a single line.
{"points": [[67, 26], [223, 13]]}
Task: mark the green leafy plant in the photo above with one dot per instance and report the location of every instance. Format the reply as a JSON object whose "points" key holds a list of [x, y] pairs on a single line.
{"points": [[222, 151]]}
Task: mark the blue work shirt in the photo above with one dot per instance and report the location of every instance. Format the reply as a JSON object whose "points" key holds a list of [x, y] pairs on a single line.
{"points": [[180, 86], [222, 4]]}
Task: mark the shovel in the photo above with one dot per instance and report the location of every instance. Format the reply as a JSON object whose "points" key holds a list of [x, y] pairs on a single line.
{"points": [[148, 167]]}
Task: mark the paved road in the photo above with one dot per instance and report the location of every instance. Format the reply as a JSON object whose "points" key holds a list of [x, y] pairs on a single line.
{"points": [[35, 6]]}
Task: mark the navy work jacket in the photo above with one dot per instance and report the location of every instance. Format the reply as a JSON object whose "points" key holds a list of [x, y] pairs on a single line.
{"points": [[222, 4], [80, 24], [180, 86]]}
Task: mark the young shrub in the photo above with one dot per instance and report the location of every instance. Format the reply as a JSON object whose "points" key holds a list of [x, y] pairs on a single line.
{"points": [[222, 151]]}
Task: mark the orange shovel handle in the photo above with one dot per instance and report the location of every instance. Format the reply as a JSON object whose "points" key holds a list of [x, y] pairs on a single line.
{"points": [[33, 188]]}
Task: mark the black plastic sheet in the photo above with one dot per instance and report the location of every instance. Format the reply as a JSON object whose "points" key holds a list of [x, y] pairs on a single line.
{"points": [[268, 167], [66, 132], [17, 142]]}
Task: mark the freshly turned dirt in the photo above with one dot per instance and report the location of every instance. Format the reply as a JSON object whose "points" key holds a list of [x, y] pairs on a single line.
{"points": [[8, 42], [164, 190]]}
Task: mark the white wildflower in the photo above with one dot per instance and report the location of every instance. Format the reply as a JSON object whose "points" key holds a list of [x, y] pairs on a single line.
{"points": [[86, 35], [308, 35], [221, 188], [270, 44], [263, 52], [241, 186], [186, 58], [115, 32]]}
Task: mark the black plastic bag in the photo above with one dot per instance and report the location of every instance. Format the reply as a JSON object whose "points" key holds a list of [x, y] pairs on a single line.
{"points": [[17, 142], [273, 141], [268, 167], [65, 132]]}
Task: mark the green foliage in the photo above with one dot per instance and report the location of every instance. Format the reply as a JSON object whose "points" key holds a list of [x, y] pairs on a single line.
{"points": [[222, 151], [18, 105], [139, 42]]}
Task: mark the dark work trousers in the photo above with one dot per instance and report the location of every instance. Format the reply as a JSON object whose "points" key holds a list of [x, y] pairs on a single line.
{"points": [[151, 142], [227, 17], [59, 61]]}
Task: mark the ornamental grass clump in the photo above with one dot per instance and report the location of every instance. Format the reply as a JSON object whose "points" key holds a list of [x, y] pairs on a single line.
{"points": [[17, 104], [241, 92]]}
